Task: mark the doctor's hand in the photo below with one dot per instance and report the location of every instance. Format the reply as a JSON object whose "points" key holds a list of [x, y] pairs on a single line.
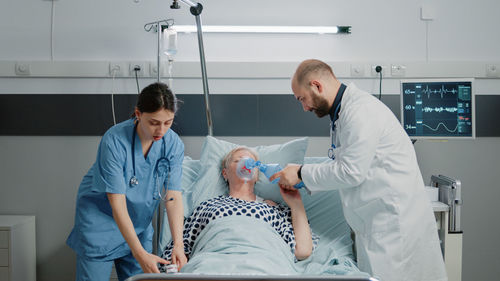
{"points": [[288, 176], [178, 256], [149, 262]]}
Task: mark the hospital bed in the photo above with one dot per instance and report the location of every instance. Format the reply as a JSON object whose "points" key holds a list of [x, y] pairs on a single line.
{"points": [[334, 257]]}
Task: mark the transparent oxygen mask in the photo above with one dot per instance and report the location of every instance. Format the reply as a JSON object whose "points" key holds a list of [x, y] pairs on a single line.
{"points": [[246, 168]]}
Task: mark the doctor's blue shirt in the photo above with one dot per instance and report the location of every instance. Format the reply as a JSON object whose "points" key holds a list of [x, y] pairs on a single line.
{"points": [[96, 234]]}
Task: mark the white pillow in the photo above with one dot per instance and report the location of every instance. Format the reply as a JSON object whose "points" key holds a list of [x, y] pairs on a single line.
{"points": [[210, 182]]}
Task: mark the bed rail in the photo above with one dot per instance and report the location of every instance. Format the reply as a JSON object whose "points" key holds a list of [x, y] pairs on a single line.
{"points": [[242, 277]]}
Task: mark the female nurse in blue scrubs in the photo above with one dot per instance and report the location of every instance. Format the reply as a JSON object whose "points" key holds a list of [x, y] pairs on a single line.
{"points": [[137, 161]]}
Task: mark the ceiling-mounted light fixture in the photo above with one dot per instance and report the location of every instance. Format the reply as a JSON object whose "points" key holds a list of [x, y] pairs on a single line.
{"points": [[267, 29]]}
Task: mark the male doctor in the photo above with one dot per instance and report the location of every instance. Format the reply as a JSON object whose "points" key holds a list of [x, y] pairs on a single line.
{"points": [[375, 169]]}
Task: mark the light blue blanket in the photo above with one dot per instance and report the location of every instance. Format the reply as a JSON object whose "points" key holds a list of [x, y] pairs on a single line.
{"points": [[243, 245]]}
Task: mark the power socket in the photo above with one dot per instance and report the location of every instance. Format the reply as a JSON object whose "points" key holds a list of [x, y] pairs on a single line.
{"points": [[357, 70], [23, 69], [116, 69], [374, 71], [493, 70], [153, 69], [132, 69]]}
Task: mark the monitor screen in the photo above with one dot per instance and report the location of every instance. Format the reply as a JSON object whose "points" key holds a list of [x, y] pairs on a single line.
{"points": [[438, 108]]}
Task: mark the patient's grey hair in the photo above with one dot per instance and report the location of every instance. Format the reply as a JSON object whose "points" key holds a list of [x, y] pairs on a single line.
{"points": [[227, 159]]}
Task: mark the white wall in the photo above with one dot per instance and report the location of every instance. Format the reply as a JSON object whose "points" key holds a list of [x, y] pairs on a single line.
{"points": [[382, 30], [41, 174]]}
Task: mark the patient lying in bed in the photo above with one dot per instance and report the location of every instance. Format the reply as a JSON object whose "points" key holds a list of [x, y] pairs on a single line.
{"points": [[259, 235]]}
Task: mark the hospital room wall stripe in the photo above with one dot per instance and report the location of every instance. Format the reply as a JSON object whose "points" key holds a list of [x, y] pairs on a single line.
{"points": [[233, 115]]}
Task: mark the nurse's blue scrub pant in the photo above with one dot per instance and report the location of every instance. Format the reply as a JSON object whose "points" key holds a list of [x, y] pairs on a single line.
{"points": [[91, 270]]}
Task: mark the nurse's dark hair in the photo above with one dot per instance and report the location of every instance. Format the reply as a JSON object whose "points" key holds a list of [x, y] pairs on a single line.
{"points": [[311, 66], [155, 97]]}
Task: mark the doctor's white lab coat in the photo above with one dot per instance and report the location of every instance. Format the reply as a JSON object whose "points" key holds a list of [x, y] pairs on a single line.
{"points": [[384, 201]]}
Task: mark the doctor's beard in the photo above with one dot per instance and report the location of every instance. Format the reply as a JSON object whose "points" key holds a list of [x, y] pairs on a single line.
{"points": [[321, 107]]}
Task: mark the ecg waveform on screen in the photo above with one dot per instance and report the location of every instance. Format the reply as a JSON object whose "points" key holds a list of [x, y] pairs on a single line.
{"points": [[441, 91], [437, 108], [440, 109], [427, 91]]}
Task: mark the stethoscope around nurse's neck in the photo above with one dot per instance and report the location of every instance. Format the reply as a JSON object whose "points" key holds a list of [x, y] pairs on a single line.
{"points": [[133, 180]]}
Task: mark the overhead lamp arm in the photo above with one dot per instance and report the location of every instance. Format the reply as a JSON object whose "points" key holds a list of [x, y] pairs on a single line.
{"points": [[196, 9]]}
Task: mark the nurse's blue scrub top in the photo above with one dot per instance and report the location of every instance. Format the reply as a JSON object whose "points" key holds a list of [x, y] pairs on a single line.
{"points": [[96, 234]]}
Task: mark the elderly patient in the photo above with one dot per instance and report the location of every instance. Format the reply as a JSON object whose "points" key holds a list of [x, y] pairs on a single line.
{"points": [[289, 222]]}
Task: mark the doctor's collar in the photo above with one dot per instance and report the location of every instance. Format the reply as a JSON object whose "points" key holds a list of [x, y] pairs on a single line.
{"points": [[335, 109]]}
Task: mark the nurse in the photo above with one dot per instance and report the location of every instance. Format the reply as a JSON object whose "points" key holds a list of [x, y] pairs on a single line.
{"points": [[138, 165], [375, 169]]}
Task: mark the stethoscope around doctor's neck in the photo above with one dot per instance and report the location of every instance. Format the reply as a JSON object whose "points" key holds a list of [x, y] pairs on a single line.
{"points": [[162, 166], [335, 117], [331, 155]]}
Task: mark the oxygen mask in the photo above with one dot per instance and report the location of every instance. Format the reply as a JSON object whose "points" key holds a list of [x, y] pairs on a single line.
{"points": [[246, 169]]}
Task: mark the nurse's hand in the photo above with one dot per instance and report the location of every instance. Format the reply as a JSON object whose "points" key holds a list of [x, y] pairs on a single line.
{"points": [[178, 256], [149, 262], [288, 176]]}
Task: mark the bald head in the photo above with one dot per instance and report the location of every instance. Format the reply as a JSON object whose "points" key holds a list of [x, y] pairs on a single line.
{"points": [[315, 86], [311, 69]]}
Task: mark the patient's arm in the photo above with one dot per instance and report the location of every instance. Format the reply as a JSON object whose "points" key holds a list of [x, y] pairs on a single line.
{"points": [[175, 213], [301, 229]]}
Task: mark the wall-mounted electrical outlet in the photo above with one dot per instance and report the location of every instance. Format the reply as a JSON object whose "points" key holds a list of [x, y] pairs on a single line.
{"points": [[493, 70], [116, 69], [357, 70], [22, 68], [398, 70], [153, 69], [374, 70], [134, 67]]}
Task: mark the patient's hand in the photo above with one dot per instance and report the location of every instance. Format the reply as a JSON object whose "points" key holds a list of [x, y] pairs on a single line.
{"points": [[292, 198], [149, 262], [270, 203], [178, 256]]}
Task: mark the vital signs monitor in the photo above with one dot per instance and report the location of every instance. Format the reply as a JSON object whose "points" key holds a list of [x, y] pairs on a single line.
{"points": [[438, 108]]}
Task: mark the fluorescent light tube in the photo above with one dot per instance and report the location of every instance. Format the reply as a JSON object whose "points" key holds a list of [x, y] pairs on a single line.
{"points": [[265, 29]]}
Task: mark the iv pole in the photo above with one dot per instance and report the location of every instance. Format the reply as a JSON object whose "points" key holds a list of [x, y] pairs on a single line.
{"points": [[158, 26], [195, 10]]}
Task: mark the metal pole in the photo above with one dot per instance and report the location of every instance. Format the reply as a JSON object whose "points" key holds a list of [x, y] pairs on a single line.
{"points": [[158, 30], [204, 75], [196, 9]]}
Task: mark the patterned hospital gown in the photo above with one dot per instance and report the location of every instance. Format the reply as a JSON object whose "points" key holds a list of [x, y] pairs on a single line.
{"points": [[279, 217]]}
